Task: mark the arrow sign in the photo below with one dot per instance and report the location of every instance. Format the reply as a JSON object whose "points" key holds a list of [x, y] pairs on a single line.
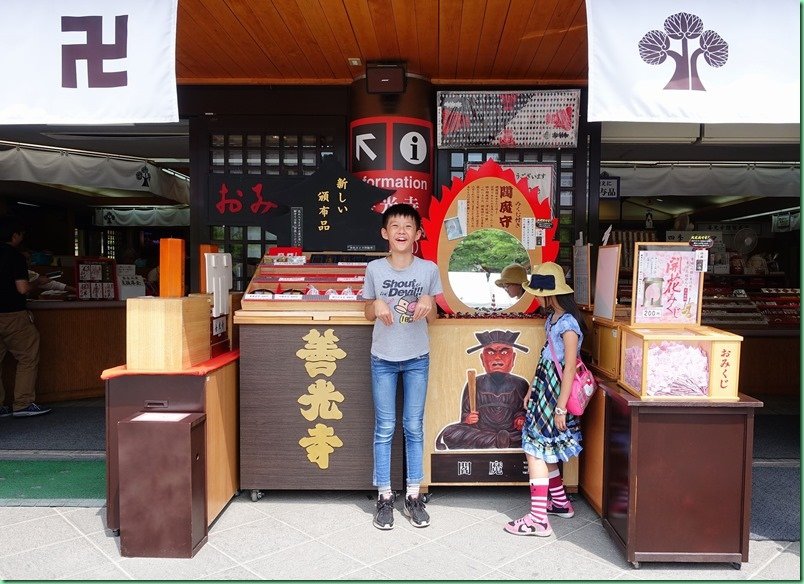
{"points": [[360, 144]]}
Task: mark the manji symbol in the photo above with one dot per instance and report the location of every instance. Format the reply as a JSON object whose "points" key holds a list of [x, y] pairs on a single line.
{"points": [[94, 52]]}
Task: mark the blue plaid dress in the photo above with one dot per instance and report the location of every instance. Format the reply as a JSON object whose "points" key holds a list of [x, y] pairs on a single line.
{"points": [[540, 437]]}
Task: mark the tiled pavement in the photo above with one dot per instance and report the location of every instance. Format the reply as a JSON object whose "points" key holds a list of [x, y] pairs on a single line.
{"points": [[312, 535]]}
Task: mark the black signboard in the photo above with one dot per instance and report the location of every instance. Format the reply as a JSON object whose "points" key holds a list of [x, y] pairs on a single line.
{"points": [[328, 210], [478, 467]]}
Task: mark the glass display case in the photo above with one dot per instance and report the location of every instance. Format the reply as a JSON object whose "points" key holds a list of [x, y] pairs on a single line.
{"points": [[329, 282], [696, 362]]}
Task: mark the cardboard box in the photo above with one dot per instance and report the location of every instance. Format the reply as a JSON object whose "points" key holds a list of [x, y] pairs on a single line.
{"points": [[695, 362], [167, 334]]}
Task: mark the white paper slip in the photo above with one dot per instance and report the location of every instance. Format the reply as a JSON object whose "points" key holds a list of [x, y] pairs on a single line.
{"points": [[160, 417]]}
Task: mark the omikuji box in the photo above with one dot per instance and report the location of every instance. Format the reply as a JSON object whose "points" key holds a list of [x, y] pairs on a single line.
{"points": [[696, 362]]}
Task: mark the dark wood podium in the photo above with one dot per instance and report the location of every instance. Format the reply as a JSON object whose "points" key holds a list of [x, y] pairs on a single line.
{"points": [[677, 477]]}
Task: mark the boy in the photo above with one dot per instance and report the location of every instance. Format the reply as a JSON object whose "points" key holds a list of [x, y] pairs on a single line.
{"points": [[399, 291]]}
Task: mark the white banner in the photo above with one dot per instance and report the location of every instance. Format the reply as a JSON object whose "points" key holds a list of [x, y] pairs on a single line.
{"points": [[88, 61], [712, 61]]}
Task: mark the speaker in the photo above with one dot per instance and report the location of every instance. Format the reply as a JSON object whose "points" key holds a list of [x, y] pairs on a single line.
{"points": [[385, 78]]}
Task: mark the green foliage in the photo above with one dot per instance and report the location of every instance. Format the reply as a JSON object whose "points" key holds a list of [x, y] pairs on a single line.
{"points": [[491, 248]]}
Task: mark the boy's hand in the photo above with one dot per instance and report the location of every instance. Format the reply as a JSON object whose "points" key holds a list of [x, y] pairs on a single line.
{"points": [[382, 312], [423, 307]]}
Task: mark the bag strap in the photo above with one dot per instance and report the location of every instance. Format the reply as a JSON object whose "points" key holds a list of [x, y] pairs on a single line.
{"points": [[559, 368]]}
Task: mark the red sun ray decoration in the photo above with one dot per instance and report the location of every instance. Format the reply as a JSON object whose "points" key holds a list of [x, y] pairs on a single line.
{"points": [[433, 223]]}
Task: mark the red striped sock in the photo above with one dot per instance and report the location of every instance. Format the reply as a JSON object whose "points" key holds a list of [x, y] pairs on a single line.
{"points": [[538, 500], [556, 486]]}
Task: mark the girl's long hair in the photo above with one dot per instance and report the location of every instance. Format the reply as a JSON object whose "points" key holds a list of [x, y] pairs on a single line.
{"points": [[567, 303]]}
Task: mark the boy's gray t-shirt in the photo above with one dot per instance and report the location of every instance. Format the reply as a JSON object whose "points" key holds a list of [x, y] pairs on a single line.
{"points": [[401, 289]]}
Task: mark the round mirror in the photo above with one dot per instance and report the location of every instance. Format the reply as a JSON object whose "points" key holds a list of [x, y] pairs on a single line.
{"points": [[476, 264]]}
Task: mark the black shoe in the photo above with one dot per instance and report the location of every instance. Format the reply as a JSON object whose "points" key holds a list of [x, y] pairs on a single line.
{"points": [[414, 509], [384, 517], [31, 410]]}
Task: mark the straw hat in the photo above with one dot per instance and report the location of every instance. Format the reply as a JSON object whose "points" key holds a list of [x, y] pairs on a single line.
{"points": [[548, 280], [513, 274]]}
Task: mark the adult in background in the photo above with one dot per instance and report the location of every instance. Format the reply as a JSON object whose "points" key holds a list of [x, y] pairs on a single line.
{"points": [[18, 335]]}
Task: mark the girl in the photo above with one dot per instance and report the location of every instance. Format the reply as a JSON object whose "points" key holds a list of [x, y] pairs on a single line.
{"points": [[550, 433]]}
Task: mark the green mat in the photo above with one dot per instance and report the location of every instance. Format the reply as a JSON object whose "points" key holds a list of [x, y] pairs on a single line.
{"points": [[52, 479]]}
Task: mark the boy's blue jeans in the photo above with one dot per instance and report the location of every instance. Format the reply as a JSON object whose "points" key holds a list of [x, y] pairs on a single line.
{"points": [[384, 376]]}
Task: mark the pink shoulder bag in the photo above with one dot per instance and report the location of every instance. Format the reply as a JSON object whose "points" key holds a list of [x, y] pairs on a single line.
{"points": [[583, 384]]}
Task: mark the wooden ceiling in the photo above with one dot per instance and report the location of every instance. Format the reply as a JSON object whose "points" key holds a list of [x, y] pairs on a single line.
{"points": [[309, 42]]}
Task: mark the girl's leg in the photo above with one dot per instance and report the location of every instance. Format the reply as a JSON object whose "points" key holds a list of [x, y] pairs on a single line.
{"points": [[558, 504], [535, 522]]}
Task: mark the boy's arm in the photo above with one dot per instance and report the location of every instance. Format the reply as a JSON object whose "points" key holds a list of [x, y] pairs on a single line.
{"points": [[378, 309]]}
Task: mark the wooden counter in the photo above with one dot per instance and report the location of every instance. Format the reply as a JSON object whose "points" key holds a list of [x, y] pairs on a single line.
{"points": [[306, 411], [79, 340], [677, 477]]}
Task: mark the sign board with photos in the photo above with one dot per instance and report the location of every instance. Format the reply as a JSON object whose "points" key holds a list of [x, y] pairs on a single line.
{"points": [[96, 278], [667, 285], [508, 119]]}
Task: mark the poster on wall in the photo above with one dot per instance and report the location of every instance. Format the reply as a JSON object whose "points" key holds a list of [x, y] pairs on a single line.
{"points": [[582, 274], [667, 285], [508, 119], [541, 179]]}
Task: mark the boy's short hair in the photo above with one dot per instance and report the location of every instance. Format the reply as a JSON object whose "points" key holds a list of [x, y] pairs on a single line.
{"points": [[402, 210], [10, 225]]}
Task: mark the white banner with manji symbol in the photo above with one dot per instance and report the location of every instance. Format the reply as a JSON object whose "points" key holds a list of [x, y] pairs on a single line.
{"points": [[718, 61], [88, 61]]}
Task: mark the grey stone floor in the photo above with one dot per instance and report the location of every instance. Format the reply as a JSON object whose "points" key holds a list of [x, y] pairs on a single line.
{"points": [[305, 535]]}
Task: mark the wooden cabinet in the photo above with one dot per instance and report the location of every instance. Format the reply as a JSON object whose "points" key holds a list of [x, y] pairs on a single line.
{"points": [[590, 462], [677, 477], [209, 388]]}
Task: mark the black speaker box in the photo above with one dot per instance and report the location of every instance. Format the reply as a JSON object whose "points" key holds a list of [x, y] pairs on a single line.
{"points": [[385, 78]]}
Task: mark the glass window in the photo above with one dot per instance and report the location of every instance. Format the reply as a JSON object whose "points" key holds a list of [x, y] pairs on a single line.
{"points": [[254, 233], [531, 156], [216, 232], [235, 141], [236, 233], [566, 179], [456, 160], [474, 157], [566, 199], [254, 250], [217, 140]]}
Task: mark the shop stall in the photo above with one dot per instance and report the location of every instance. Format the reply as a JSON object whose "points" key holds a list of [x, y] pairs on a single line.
{"points": [[676, 437]]}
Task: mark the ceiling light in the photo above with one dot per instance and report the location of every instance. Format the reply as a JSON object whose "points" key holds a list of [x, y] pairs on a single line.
{"points": [[355, 61]]}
